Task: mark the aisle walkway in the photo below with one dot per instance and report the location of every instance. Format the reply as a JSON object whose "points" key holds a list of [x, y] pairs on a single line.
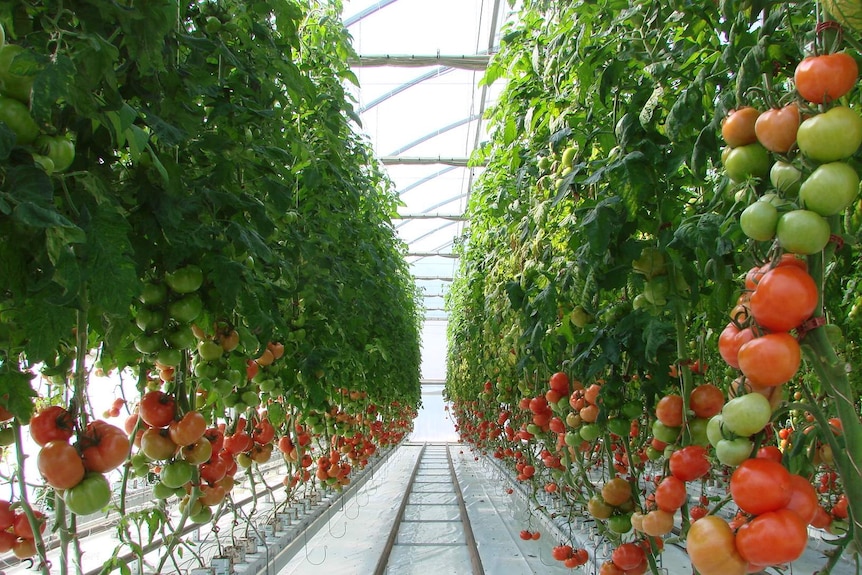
{"points": [[432, 537]]}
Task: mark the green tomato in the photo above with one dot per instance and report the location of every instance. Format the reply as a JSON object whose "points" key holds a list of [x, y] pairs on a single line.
{"points": [[568, 156], [664, 433], [743, 162], [7, 436], [16, 115], [59, 149], [153, 294], [653, 454], [572, 438], [830, 188], [205, 515], [746, 414], [590, 432], [186, 309], [830, 136], [651, 262], [162, 491], [759, 220], [169, 357], [150, 319], [732, 452], [15, 86], [209, 350], [181, 336], [149, 343], [714, 432], [44, 162], [176, 473], [89, 496], [251, 398], [207, 369], [802, 232], [185, 280], [620, 523], [785, 177], [697, 428]]}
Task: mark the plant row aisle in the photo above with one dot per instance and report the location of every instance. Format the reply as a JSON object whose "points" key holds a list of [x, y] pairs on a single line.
{"points": [[189, 224], [656, 317]]}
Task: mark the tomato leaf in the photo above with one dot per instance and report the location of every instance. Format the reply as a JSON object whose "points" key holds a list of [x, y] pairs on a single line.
{"points": [[108, 266], [18, 394]]}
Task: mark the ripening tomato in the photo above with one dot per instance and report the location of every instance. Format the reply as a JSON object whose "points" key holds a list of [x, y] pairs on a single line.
{"points": [[773, 537], [760, 485], [616, 491], [711, 547], [670, 494], [22, 528], [668, 410], [51, 423], [628, 556], [737, 128], [103, 446], [689, 463], [237, 443], [776, 128], [770, 360], [730, 340], [188, 429], [784, 298], [706, 400], [158, 408], [60, 464], [826, 77], [657, 522]]}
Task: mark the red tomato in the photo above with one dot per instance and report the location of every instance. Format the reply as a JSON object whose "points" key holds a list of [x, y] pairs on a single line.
{"points": [[737, 128], [769, 452], [628, 556], [770, 360], [7, 516], [559, 382], [668, 410], [803, 499], [689, 463], [706, 400], [60, 464], [263, 432], [158, 408], [237, 443], [103, 446], [670, 494], [610, 568], [776, 128], [21, 526], [821, 519], [785, 297], [7, 541], [773, 537], [50, 424], [562, 552], [729, 342], [189, 429], [826, 77], [760, 485], [711, 547]]}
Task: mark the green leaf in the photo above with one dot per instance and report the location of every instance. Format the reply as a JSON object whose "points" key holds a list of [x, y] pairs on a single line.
{"points": [[108, 265], [36, 216], [17, 394], [7, 141]]}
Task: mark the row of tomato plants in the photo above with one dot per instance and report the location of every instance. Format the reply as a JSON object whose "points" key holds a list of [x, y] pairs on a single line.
{"points": [[614, 258], [186, 207]]}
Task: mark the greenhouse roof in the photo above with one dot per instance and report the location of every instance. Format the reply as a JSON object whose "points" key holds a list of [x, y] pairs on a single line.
{"points": [[421, 105]]}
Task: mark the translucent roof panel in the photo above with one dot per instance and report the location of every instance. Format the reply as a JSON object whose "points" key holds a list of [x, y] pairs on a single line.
{"points": [[420, 103]]}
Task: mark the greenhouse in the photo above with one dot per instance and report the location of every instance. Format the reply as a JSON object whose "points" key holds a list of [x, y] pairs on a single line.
{"points": [[455, 287]]}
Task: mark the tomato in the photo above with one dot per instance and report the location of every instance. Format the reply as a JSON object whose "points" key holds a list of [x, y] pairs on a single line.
{"points": [[7, 541], [209, 350], [706, 400], [17, 86], [689, 463], [212, 495], [616, 491], [821, 519], [237, 443], [772, 537], [562, 552], [785, 177], [158, 408], [89, 496], [732, 452], [7, 515], [749, 161], [17, 117], [769, 452], [668, 410], [610, 568], [525, 535], [670, 494], [185, 280], [51, 423], [22, 528], [803, 499], [24, 548], [729, 342], [186, 309], [657, 522], [759, 221], [103, 446], [560, 382], [157, 445], [628, 556], [830, 136], [784, 298], [776, 128], [216, 437], [61, 151], [598, 508], [198, 452], [771, 359], [176, 473], [188, 429], [60, 464], [760, 485], [830, 188], [746, 414], [213, 471], [738, 127], [153, 294], [711, 547], [826, 77], [590, 431], [664, 433]]}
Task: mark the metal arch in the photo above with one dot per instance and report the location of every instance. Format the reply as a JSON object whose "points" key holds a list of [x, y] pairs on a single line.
{"points": [[435, 133], [434, 231], [367, 12], [438, 71], [427, 179], [406, 221]]}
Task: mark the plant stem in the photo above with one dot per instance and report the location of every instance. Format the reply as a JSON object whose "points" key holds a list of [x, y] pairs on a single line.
{"points": [[25, 503]]}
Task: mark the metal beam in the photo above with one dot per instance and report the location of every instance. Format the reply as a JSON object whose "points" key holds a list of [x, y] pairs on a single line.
{"points": [[434, 134], [431, 255], [433, 278], [424, 160], [367, 12], [454, 217], [476, 62]]}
